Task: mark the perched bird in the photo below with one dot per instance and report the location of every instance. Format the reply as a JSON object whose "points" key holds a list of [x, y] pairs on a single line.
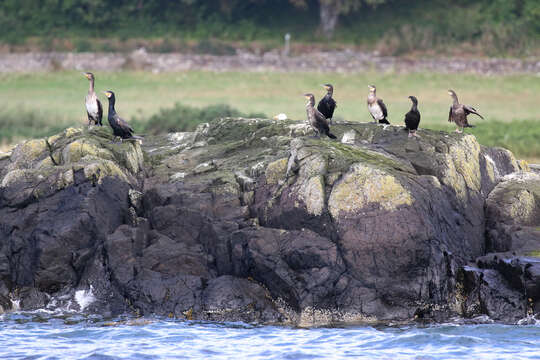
{"points": [[315, 118], [327, 105], [458, 113], [93, 105], [412, 118], [120, 127], [376, 106]]}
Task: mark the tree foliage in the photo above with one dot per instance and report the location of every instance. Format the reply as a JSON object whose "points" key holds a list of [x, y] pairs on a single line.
{"points": [[246, 19], [330, 10]]}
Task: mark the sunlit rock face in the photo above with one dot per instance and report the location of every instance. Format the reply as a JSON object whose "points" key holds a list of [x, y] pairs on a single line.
{"points": [[257, 220]]}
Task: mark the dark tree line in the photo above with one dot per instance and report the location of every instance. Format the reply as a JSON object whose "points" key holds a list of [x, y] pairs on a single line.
{"points": [[37, 17]]}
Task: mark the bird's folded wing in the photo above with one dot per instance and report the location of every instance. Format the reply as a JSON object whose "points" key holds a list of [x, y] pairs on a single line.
{"points": [[320, 117], [123, 124], [100, 109], [383, 107]]}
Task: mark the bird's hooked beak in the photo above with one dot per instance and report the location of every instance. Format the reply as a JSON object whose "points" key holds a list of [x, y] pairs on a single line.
{"points": [[326, 87], [86, 75], [450, 92], [371, 88], [107, 94]]}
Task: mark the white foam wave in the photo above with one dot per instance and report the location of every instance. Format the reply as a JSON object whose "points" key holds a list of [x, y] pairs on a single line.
{"points": [[84, 298], [529, 320]]}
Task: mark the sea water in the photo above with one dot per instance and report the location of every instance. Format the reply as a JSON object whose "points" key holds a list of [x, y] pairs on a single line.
{"points": [[46, 335]]}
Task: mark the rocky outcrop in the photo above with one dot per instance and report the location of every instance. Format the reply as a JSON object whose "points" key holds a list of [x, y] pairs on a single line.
{"points": [[256, 220], [508, 278]]}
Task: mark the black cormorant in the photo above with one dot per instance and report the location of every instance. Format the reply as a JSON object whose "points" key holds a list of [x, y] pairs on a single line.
{"points": [[412, 118], [120, 127], [376, 106], [316, 119], [458, 113], [327, 105], [93, 105]]}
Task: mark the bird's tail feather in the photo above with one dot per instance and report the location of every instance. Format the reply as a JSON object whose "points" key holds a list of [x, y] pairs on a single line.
{"points": [[331, 136]]}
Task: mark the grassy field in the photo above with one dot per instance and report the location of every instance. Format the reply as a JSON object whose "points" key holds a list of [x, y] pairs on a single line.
{"points": [[39, 104]]}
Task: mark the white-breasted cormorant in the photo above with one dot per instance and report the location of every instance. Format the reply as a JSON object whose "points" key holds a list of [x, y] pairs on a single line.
{"points": [[93, 105], [412, 118], [458, 113], [316, 119], [120, 127], [376, 106], [327, 105]]}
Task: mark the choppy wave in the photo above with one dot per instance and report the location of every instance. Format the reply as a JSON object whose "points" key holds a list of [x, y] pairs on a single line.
{"points": [[37, 335]]}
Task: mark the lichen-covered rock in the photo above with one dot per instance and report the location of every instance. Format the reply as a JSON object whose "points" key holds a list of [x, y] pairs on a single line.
{"points": [[48, 163], [59, 198], [462, 172], [81, 148], [363, 186], [513, 214], [313, 196], [255, 220], [275, 171], [27, 153]]}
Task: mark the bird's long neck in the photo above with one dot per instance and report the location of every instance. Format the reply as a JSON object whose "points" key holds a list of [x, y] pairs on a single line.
{"points": [[414, 106], [111, 106], [455, 99], [330, 92], [310, 103], [91, 86]]}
